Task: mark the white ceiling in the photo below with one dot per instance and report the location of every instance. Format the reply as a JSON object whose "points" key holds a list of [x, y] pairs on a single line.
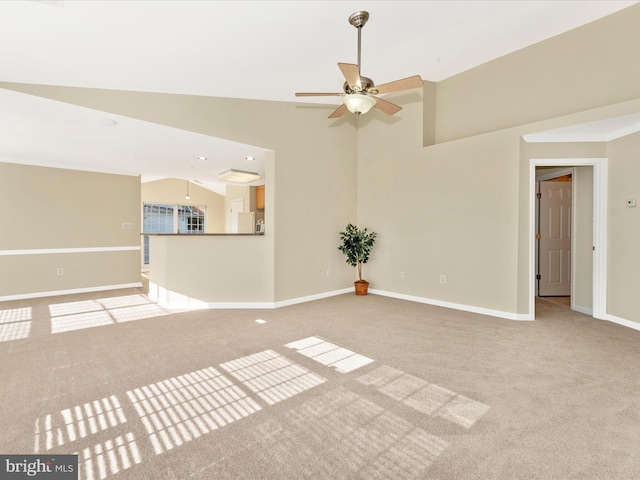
{"points": [[598, 131], [44, 132], [243, 49]]}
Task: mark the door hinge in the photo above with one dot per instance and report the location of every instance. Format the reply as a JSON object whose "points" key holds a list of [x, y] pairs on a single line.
{"points": [[538, 277], [538, 236], [594, 248], [538, 195]]}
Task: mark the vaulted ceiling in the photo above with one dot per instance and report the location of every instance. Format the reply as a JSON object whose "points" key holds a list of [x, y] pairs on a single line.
{"points": [[242, 49]]}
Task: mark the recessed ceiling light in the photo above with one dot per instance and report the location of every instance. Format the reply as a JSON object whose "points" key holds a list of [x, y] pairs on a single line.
{"points": [[202, 157], [250, 158]]}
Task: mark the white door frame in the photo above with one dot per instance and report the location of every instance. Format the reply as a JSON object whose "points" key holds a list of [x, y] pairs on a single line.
{"points": [[600, 183]]}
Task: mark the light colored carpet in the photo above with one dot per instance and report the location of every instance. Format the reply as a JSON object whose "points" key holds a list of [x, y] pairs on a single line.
{"points": [[346, 387]]}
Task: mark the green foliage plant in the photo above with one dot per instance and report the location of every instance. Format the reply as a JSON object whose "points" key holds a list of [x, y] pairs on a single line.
{"points": [[356, 245]]}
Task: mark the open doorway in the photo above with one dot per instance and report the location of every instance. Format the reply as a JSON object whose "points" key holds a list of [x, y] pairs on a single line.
{"points": [[589, 269]]}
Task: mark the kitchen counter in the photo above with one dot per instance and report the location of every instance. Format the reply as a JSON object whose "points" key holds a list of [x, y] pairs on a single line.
{"points": [[203, 234]]}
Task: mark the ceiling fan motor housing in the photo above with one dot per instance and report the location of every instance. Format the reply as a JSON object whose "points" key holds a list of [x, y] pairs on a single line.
{"points": [[366, 86]]}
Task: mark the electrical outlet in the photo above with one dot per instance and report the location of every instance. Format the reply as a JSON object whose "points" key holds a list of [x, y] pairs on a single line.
{"points": [[401, 273], [60, 271], [127, 226], [328, 272], [443, 279]]}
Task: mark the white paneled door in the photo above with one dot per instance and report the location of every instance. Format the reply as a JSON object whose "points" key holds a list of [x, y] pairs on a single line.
{"points": [[236, 207], [555, 238]]}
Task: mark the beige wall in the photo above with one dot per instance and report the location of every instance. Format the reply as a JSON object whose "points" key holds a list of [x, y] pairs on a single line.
{"points": [[48, 209], [624, 228], [589, 67], [447, 209]]}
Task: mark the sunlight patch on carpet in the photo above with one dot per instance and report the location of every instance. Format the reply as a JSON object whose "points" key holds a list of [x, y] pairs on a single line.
{"points": [[80, 321], [329, 354], [69, 316], [14, 331], [402, 387], [341, 431], [71, 424], [463, 411], [180, 409], [272, 376], [15, 323], [424, 396], [108, 458]]}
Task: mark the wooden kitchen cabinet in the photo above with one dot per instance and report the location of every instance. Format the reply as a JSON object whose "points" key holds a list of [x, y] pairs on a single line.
{"points": [[260, 197]]}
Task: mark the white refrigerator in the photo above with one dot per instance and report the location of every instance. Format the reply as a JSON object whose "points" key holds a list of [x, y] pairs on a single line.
{"points": [[247, 222]]}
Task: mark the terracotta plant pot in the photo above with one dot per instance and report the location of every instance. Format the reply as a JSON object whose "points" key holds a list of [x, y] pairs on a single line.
{"points": [[362, 286]]}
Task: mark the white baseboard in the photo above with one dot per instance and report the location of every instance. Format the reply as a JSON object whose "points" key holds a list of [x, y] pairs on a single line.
{"points": [[624, 322], [172, 300], [497, 313], [586, 311], [54, 293], [455, 306], [310, 298], [193, 305], [165, 300]]}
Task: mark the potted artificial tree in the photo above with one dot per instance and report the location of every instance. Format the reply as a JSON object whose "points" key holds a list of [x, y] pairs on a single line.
{"points": [[356, 245]]}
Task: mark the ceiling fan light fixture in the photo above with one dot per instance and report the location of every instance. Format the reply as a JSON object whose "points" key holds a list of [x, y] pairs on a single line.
{"points": [[239, 176], [358, 103]]}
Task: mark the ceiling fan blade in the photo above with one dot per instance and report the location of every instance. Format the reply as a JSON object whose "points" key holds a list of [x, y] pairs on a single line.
{"points": [[351, 74], [402, 84], [338, 112], [310, 94], [386, 107]]}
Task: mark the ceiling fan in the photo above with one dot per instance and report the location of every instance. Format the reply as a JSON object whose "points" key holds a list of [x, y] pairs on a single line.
{"points": [[360, 92]]}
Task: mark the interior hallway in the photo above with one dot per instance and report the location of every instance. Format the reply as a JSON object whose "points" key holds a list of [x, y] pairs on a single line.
{"points": [[346, 387]]}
